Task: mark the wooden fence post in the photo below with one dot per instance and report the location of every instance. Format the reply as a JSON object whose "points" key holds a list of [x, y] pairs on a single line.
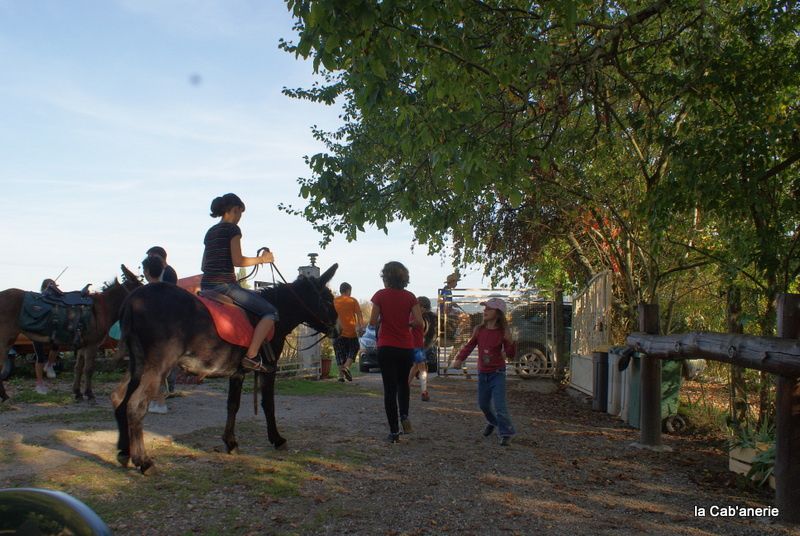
{"points": [[650, 407], [787, 429]]}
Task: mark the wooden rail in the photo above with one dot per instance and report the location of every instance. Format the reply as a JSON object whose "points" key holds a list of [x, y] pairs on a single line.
{"points": [[778, 355]]}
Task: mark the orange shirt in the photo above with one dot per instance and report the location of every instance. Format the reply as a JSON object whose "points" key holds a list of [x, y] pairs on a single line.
{"points": [[347, 307]]}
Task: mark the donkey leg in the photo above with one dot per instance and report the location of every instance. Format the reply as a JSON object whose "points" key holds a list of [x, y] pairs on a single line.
{"points": [[118, 394], [119, 399], [3, 357], [89, 355], [137, 409], [234, 400], [76, 382], [268, 405]]}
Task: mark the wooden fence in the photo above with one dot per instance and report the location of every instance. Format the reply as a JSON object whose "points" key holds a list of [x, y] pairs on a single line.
{"points": [[778, 355]]}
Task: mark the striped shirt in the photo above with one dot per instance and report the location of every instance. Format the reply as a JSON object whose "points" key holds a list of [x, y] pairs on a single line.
{"points": [[217, 260]]}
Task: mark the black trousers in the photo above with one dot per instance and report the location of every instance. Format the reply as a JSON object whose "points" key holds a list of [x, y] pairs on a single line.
{"points": [[395, 365]]}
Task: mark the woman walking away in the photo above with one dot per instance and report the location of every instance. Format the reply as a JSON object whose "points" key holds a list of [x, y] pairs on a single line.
{"points": [[398, 311], [492, 339], [223, 252]]}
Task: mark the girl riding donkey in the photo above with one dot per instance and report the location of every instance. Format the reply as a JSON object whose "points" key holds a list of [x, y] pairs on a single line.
{"points": [[223, 252], [164, 326]]}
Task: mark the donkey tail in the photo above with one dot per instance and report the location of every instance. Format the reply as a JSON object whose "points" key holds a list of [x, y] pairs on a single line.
{"points": [[130, 343]]}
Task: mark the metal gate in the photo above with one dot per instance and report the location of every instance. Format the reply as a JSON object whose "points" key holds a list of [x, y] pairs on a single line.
{"points": [[591, 309], [530, 319]]}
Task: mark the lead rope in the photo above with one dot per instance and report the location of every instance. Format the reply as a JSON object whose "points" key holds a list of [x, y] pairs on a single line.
{"points": [[255, 393]]}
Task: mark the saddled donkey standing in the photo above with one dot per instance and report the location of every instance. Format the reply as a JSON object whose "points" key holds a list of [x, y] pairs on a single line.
{"points": [[104, 312], [164, 326]]}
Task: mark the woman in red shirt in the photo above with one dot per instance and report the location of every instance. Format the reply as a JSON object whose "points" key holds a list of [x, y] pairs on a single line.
{"points": [[392, 307], [494, 343]]}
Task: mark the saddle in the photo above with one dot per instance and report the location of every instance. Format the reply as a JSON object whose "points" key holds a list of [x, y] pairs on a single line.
{"points": [[63, 317], [234, 325], [73, 297], [232, 322]]}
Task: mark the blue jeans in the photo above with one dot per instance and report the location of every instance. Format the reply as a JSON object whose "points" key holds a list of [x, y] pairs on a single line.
{"points": [[492, 389], [248, 300]]}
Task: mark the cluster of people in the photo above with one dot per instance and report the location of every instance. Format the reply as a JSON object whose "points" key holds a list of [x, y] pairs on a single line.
{"points": [[402, 325]]}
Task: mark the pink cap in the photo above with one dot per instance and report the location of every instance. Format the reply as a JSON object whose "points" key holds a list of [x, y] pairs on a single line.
{"points": [[495, 303]]}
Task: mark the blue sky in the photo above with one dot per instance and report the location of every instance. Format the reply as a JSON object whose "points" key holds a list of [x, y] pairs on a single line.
{"points": [[107, 147]]}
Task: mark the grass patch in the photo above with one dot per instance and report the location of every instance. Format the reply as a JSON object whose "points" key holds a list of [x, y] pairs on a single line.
{"points": [[108, 376], [24, 393], [194, 488], [90, 416], [703, 417]]}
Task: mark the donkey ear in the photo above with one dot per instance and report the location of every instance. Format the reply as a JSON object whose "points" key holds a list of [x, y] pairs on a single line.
{"points": [[328, 275], [127, 275]]}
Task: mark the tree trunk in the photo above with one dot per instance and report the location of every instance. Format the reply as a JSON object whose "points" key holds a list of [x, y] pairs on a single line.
{"points": [[766, 406], [738, 387]]}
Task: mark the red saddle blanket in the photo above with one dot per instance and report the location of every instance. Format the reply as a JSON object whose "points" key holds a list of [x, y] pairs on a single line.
{"points": [[231, 322]]}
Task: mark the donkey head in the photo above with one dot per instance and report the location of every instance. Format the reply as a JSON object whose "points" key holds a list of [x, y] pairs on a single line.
{"points": [[318, 300]]}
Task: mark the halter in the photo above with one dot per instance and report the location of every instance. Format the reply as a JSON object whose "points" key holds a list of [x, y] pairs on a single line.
{"points": [[273, 269]]}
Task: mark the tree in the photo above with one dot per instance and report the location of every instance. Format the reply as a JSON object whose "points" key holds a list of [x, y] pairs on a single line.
{"points": [[540, 140]]}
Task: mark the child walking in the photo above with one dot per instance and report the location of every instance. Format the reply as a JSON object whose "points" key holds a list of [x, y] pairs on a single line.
{"points": [[423, 338], [492, 339]]}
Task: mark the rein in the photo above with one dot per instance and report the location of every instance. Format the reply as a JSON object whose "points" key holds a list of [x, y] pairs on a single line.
{"points": [[302, 303], [274, 269]]}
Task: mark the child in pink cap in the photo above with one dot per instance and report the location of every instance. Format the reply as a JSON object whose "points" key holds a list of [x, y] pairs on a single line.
{"points": [[493, 339]]}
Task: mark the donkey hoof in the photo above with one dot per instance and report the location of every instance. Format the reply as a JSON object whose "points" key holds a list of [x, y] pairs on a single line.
{"points": [[92, 401], [281, 444], [123, 459], [147, 468], [234, 451]]}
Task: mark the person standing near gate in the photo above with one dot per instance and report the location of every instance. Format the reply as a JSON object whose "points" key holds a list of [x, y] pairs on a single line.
{"points": [[494, 343], [351, 323]]}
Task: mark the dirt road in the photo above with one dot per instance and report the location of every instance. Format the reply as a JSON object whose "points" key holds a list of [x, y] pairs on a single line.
{"points": [[569, 471]]}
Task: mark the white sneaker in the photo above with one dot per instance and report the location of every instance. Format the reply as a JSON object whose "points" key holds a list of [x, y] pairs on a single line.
{"points": [[50, 371], [155, 407], [41, 389]]}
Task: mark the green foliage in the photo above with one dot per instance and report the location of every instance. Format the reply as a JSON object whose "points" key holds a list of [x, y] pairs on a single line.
{"points": [[763, 465], [751, 437], [551, 142]]}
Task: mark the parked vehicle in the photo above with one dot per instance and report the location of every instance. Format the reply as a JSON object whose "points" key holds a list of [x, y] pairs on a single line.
{"points": [[532, 327]]}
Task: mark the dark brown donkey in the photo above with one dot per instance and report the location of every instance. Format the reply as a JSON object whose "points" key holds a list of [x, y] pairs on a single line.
{"points": [[164, 325], [105, 311]]}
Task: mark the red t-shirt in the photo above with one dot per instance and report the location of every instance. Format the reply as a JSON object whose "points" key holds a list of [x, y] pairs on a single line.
{"points": [[418, 334], [491, 345], [395, 305]]}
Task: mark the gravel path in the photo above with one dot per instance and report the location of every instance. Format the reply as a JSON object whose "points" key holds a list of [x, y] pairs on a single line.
{"points": [[569, 471]]}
